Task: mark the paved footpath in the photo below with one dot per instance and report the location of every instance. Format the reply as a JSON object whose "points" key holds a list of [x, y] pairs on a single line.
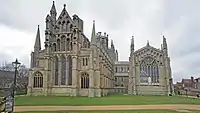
{"points": [[111, 107]]}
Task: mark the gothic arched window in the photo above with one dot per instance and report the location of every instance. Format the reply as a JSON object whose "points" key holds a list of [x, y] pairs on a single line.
{"points": [[71, 46], [84, 43], [85, 81], [155, 77], [68, 44], [149, 71], [58, 44], [69, 69], [63, 70], [85, 61], [63, 38], [54, 47], [56, 70], [68, 26], [38, 80]]}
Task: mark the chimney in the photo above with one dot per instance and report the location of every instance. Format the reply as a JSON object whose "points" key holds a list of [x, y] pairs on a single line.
{"points": [[193, 82], [192, 78]]}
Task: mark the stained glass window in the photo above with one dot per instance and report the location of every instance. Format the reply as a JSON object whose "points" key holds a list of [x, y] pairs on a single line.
{"points": [[149, 71], [38, 80], [85, 81], [69, 61], [63, 68], [56, 70]]}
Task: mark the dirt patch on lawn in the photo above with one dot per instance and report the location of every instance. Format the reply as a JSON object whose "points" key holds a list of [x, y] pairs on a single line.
{"points": [[112, 107], [183, 111]]}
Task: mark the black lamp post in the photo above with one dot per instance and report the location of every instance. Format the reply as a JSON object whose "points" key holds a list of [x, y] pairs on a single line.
{"points": [[186, 92], [16, 65], [170, 83]]}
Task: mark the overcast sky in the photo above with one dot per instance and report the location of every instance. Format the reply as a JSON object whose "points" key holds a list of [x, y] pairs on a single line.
{"points": [[178, 20]]}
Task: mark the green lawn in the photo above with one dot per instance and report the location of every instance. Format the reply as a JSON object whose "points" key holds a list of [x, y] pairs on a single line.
{"points": [[109, 100], [134, 111]]}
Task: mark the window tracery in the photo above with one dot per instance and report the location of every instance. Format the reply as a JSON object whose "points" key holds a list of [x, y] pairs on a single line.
{"points": [[149, 71], [38, 80], [63, 41], [85, 81], [54, 47], [56, 70], [64, 69], [58, 44], [69, 69]]}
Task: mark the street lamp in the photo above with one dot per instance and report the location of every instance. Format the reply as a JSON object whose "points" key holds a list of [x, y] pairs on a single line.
{"points": [[170, 83], [16, 65]]}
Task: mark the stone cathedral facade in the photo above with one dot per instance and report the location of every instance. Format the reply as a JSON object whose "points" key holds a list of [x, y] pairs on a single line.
{"points": [[150, 70], [71, 65]]}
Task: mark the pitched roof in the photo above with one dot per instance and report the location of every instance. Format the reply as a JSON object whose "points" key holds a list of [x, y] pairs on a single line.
{"points": [[186, 80]]}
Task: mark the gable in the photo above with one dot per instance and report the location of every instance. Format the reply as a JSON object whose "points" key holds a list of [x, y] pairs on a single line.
{"points": [[148, 50], [64, 16], [64, 22]]}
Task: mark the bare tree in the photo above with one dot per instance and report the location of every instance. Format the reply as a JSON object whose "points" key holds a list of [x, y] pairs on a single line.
{"points": [[22, 75], [6, 80], [22, 78]]}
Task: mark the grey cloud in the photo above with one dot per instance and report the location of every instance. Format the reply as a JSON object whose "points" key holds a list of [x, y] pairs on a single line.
{"points": [[188, 42], [4, 57], [26, 15], [184, 48], [114, 13], [7, 58]]}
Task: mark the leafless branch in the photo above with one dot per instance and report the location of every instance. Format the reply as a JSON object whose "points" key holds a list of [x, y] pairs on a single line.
{"points": [[22, 75]]}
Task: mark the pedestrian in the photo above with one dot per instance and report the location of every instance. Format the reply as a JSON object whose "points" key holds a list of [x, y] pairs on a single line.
{"points": [[197, 95]]}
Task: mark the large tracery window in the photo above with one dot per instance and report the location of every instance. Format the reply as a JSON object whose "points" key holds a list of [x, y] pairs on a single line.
{"points": [[67, 44], [54, 47], [69, 69], [149, 72], [38, 80], [56, 68], [63, 43], [58, 44], [85, 81], [63, 70]]}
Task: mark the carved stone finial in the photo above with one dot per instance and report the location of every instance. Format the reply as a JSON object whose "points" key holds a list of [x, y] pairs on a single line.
{"points": [[64, 5], [105, 34], [147, 42]]}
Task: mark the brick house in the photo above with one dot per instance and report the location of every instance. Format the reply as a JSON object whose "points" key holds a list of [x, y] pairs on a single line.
{"points": [[190, 86]]}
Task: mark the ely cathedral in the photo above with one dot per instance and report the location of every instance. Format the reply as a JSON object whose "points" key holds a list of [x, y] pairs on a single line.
{"points": [[71, 64]]}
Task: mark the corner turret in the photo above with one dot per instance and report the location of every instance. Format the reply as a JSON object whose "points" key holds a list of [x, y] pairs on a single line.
{"points": [[53, 13], [132, 44], [165, 49], [148, 43], [116, 52], [112, 46]]}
